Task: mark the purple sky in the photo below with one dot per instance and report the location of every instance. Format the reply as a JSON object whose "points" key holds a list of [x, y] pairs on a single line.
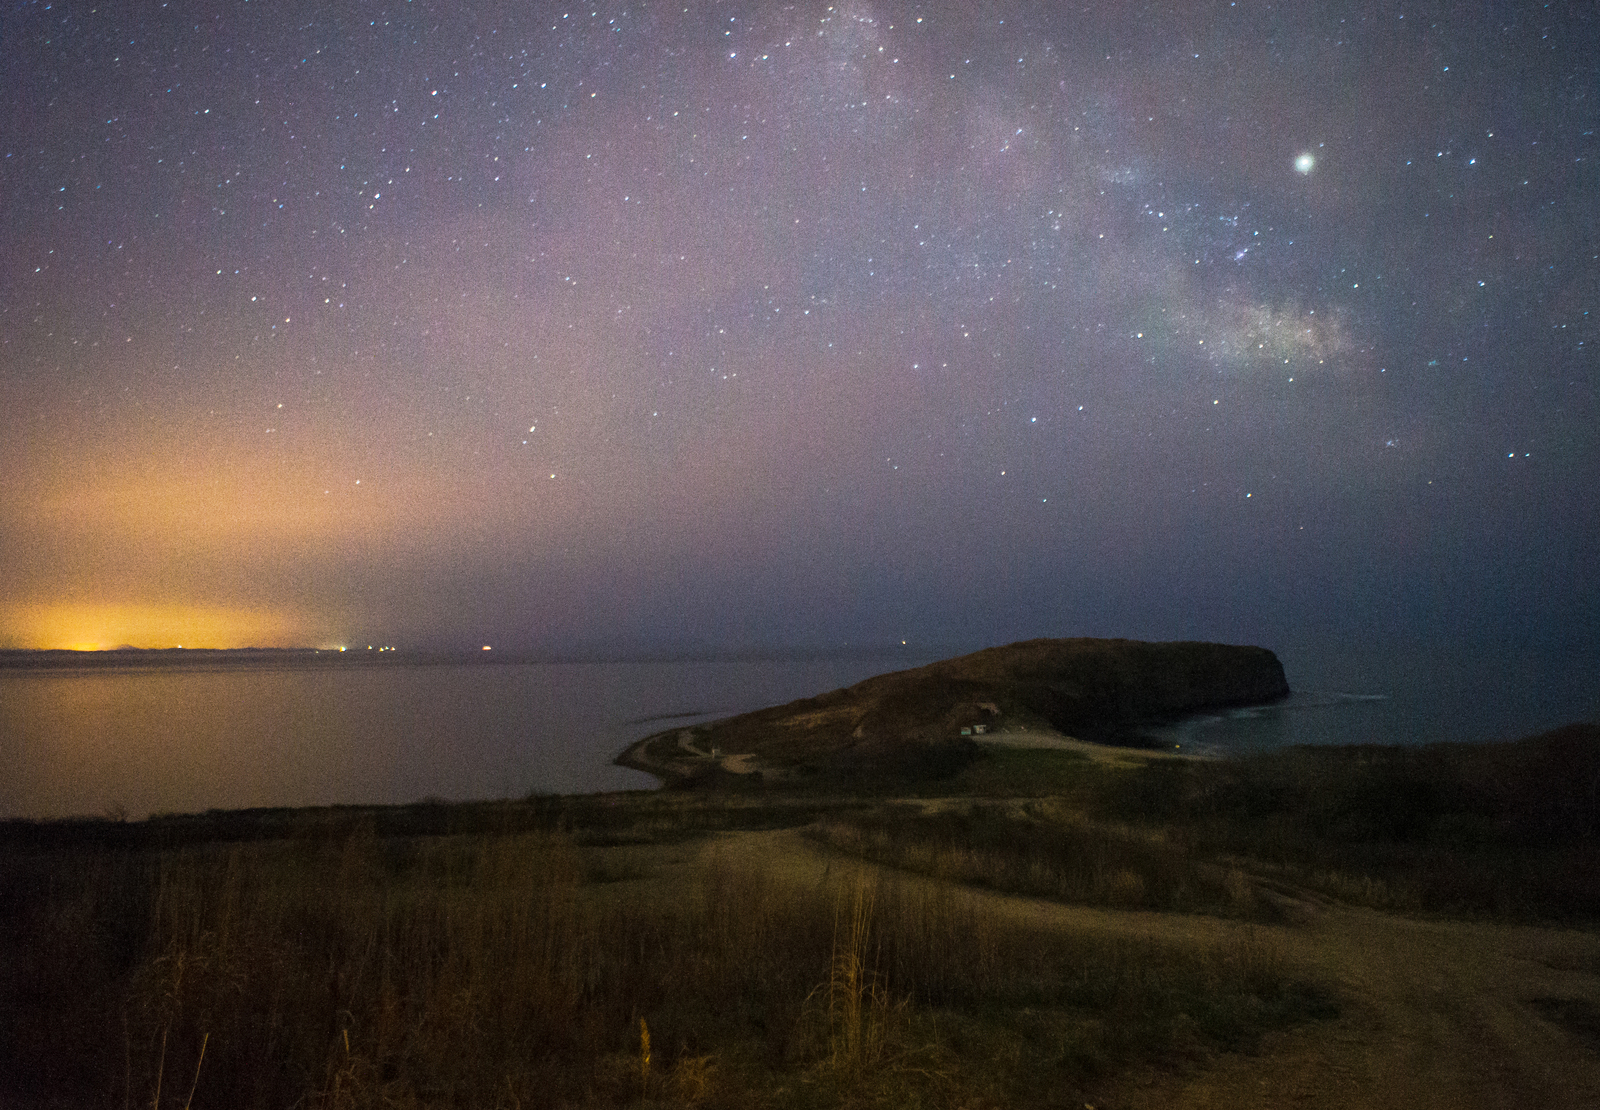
{"points": [[758, 325]]}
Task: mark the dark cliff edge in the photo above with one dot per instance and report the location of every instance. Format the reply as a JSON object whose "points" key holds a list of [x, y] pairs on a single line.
{"points": [[910, 723]]}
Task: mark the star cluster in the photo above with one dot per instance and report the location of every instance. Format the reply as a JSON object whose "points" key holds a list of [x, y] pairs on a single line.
{"points": [[745, 324]]}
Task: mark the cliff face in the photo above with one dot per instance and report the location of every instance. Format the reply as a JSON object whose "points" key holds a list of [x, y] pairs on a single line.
{"points": [[1092, 689]]}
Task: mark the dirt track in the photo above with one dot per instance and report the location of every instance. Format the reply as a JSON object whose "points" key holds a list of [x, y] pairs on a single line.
{"points": [[1433, 1013]]}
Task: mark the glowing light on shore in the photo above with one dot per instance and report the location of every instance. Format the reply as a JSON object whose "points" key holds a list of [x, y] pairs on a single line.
{"points": [[90, 626], [1305, 163]]}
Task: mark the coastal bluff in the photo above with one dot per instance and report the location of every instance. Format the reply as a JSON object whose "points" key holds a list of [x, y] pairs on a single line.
{"points": [[923, 720]]}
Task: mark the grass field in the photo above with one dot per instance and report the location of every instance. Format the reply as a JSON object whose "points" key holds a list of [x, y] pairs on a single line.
{"points": [[1037, 930]]}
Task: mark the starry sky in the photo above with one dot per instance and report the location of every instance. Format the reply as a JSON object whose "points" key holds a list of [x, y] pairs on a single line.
{"points": [[660, 326]]}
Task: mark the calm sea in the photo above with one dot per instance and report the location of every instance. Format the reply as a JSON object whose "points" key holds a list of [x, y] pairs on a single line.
{"points": [[153, 739], [1405, 696], [174, 738]]}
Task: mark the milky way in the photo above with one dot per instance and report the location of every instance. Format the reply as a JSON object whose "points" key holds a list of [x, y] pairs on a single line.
{"points": [[739, 325]]}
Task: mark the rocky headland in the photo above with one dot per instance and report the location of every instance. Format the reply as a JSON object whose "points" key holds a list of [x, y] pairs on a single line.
{"points": [[928, 720]]}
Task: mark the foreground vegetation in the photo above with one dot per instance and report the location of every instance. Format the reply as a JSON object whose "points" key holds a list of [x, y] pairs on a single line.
{"points": [[341, 969], [1510, 830], [619, 951]]}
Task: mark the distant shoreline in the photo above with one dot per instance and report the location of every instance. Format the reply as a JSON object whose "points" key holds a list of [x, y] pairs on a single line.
{"points": [[65, 658]]}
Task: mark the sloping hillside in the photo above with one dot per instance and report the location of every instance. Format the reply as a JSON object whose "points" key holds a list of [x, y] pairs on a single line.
{"points": [[1098, 690]]}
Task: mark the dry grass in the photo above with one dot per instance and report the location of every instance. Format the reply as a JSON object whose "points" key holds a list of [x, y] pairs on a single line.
{"points": [[1045, 850], [1509, 831], [342, 969], [855, 1000]]}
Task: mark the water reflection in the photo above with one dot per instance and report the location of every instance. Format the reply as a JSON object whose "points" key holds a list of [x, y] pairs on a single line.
{"points": [[182, 739]]}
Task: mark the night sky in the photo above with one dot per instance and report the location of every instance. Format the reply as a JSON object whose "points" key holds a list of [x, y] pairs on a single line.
{"points": [[665, 326]]}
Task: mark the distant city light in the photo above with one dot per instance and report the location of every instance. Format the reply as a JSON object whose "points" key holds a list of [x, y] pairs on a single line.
{"points": [[1305, 163]]}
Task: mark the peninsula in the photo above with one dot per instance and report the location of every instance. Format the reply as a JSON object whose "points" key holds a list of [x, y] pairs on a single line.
{"points": [[929, 719]]}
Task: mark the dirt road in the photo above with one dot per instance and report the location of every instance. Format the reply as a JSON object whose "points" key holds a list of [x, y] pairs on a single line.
{"points": [[1434, 1014]]}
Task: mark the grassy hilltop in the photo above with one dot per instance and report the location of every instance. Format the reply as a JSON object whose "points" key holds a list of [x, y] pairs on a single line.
{"points": [[920, 721]]}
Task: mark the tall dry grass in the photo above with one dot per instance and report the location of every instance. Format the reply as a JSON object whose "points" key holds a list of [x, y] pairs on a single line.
{"points": [[854, 1003], [340, 969]]}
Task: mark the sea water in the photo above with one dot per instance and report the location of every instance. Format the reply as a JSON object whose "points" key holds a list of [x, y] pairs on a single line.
{"points": [[167, 737], [151, 739], [1403, 695]]}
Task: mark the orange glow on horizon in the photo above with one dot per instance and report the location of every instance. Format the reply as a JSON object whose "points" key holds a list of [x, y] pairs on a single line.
{"points": [[76, 626]]}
